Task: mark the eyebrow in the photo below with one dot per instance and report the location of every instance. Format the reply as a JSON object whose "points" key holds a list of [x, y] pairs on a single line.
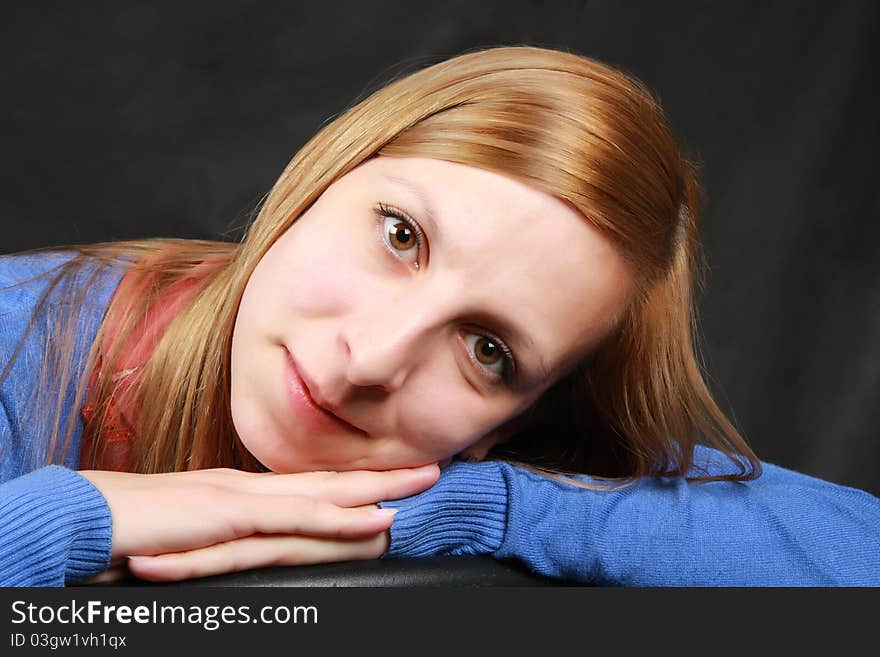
{"points": [[508, 331]]}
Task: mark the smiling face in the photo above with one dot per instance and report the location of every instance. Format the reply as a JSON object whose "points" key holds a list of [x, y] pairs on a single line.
{"points": [[415, 307]]}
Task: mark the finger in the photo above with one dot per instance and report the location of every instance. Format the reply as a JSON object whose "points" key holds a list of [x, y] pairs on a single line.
{"points": [[360, 487], [352, 488], [255, 552], [300, 515]]}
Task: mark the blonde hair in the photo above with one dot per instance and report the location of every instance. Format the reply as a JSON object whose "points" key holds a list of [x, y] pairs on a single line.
{"points": [[564, 124]]}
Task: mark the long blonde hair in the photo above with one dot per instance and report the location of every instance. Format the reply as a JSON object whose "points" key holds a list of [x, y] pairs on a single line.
{"points": [[564, 124]]}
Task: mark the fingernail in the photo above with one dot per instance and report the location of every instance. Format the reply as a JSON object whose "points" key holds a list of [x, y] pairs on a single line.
{"points": [[131, 558], [385, 513]]}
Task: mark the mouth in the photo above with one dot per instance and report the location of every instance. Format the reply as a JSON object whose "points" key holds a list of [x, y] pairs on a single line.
{"points": [[303, 395]]}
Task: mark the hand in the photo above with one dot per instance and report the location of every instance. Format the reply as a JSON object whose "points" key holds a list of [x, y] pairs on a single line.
{"points": [[207, 522]]}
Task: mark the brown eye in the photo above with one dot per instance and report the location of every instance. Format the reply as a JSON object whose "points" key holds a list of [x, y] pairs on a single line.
{"points": [[486, 351], [400, 236], [489, 353]]}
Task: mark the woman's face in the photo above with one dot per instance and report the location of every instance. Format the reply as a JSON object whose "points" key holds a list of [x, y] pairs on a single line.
{"points": [[415, 308]]}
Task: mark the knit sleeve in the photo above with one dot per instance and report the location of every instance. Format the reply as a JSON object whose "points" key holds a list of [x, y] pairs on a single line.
{"points": [[783, 529], [55, 528], [465, 512]]}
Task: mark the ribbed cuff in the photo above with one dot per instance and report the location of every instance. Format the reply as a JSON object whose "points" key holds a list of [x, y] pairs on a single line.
{"points": [[55, 528], [465, 512]]}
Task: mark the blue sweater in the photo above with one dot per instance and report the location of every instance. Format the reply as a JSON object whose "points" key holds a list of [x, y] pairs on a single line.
{"points": [[782, 529], [54, 524]]}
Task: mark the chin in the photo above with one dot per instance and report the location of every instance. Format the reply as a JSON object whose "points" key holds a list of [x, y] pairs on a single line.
{"points": [[276, 462], [260, 438]]}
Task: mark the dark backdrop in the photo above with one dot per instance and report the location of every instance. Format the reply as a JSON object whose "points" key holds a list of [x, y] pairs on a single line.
{"points": [[123, 120]]}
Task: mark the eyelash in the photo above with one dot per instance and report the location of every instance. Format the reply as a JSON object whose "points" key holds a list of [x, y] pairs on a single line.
{"points": [[390, 212], [383, 212], [508, 375]]}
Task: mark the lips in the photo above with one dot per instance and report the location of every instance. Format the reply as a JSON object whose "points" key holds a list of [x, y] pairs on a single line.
{"points": [[308, 410]]}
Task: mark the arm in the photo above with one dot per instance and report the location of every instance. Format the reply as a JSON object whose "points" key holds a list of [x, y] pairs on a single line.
{"points": [[54, 529], [782, 529], [55, 526]]}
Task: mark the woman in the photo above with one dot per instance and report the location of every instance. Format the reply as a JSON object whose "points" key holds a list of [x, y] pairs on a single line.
{"points": [[495, 254]]}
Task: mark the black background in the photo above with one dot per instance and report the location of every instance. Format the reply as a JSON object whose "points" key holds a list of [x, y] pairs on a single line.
{"points": [[136, 119]]}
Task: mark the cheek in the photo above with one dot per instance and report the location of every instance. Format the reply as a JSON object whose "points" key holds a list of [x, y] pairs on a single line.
{"points": [[322, 283], [446, 417], [318, 288]]}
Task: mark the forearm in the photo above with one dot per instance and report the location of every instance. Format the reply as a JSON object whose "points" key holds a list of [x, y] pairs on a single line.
{"points": [[783, 529], [55, 528]]}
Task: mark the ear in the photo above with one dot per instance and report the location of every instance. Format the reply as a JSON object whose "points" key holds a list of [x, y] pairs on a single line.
{"points": [[503, 433], [478, 451]]}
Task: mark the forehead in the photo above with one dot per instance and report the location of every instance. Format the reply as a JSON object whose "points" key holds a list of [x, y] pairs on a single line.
{"points": [[499, 246]]}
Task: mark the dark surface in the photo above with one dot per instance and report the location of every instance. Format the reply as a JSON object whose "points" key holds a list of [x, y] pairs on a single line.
{"points": [[134, 119], [437, 571]]}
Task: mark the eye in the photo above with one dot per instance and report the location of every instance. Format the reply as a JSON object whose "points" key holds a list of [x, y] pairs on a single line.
{"points": [[401, 234], [491, 354]]}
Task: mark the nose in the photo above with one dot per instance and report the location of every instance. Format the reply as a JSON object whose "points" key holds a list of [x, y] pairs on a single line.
{"points": [[385, 344]]}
